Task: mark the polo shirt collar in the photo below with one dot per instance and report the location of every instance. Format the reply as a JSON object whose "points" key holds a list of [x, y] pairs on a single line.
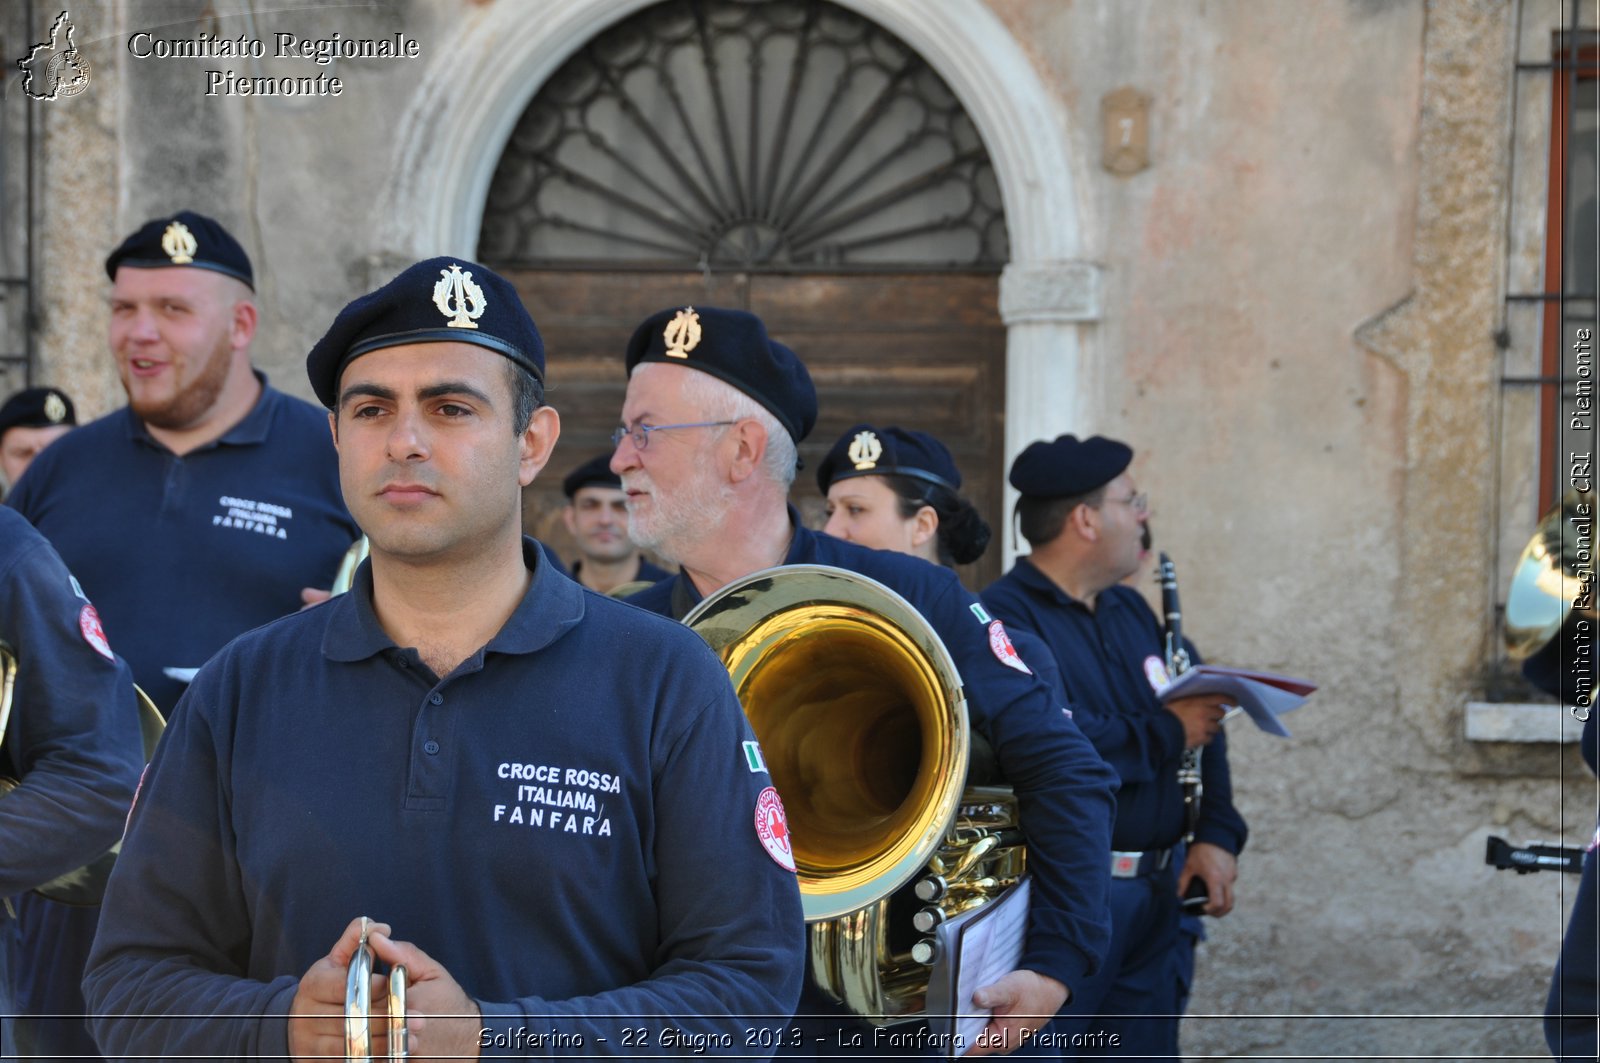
{"points": [[552, 606], [802, 547], [801, 551], [1028, 574]]}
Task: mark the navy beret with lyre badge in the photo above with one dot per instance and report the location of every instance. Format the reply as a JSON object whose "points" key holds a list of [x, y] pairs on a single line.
{"points": [[596, 472], [1068, 466], [183, 239], [440, 300], [733, 346], [892, 451], [37, 408]]}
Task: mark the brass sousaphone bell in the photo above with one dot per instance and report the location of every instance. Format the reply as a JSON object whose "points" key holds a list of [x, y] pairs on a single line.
{"points": [[84, 886], [1550, 607], [863, 726]]}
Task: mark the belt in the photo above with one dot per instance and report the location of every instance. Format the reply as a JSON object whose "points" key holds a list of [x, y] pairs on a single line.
{"points": [[1136, 864]]}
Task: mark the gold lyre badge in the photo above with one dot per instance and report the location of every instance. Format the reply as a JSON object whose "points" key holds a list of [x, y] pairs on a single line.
{"points": [[458, 298], [179, 244], [54, 409], [865, 450], [682, 333]]}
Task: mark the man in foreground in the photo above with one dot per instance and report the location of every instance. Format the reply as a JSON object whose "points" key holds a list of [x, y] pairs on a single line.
{"points": [[564, 857]]}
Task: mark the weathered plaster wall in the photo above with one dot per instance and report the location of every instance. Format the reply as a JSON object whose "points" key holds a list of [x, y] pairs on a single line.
{"points": [[1302, 294], [81, 182]]}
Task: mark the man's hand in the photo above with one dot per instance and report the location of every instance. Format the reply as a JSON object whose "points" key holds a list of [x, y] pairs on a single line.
{"points": [[443, 1021], [1218, 869], [310, 596], [316, 1015], [1201, 715], [1022, 1002]]}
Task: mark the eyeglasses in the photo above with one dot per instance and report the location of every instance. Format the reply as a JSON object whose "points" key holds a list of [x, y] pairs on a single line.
{"points": [[640, 433], [1140, 502]]}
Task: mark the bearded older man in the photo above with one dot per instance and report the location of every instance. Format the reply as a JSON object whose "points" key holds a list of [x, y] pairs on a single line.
{"points": [[713, 414]]}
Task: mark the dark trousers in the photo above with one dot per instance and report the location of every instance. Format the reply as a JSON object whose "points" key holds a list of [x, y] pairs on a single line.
{"points": [[46, 948], [1570, 1022], [1130, 1008]]}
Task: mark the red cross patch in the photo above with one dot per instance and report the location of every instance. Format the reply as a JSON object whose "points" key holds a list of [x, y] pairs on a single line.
{"points": [[93, 633], [1000, 643], [772, 827], [1155, 673]]}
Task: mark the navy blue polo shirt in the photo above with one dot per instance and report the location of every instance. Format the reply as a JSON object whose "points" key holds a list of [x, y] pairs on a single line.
{"points": [[1064, 790], [183, 553], [1107, 658], [73, 737], [577, 845]]}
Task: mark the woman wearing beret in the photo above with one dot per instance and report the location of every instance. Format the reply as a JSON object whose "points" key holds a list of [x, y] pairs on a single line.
{"points": [[898, 489]]}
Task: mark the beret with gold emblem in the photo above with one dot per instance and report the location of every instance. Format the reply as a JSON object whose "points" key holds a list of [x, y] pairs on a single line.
{"points": [[37, 408], [596, 472], [183, 239], [1068, 466], [440, 300], [733, 346], [892, 451]]}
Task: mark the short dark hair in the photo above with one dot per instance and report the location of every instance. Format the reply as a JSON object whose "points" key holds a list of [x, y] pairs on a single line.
{"points": [[963, 533], [1043, 518], [527, 395]]}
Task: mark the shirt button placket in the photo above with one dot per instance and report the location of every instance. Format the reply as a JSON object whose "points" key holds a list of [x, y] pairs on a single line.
{"points": [[432, 771]]}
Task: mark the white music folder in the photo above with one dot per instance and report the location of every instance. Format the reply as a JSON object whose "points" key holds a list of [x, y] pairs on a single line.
{"points": [[976, 948], [1262, 695]]}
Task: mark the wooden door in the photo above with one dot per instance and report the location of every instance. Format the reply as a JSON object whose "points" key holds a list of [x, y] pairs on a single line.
{"points": [[921, 350]]}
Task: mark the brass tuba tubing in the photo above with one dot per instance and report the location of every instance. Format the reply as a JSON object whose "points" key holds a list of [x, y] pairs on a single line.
{"points": [[358, 1007]]}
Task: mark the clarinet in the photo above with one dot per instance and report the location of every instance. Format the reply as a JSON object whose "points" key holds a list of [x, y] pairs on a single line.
{"points": [[1177, 660]]}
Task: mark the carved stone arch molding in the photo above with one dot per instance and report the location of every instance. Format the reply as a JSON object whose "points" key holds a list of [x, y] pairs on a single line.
{"points": [[482, 73]]}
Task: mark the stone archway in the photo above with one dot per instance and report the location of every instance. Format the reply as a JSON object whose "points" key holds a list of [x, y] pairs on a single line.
{"points": [[451, 140]]}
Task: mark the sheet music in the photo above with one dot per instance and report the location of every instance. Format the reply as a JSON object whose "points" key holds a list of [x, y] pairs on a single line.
{"points": [[976, 948], [1263, 696]]}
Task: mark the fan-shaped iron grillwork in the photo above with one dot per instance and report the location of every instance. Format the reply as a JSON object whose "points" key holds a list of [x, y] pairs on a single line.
{"points": [[777, 134]]}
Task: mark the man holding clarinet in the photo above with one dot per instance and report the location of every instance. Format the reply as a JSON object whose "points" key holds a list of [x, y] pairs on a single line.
{"points": [[1085, 520]]}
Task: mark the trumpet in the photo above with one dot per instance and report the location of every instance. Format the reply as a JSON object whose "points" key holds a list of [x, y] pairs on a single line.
{"points": [[358, 1006]]}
